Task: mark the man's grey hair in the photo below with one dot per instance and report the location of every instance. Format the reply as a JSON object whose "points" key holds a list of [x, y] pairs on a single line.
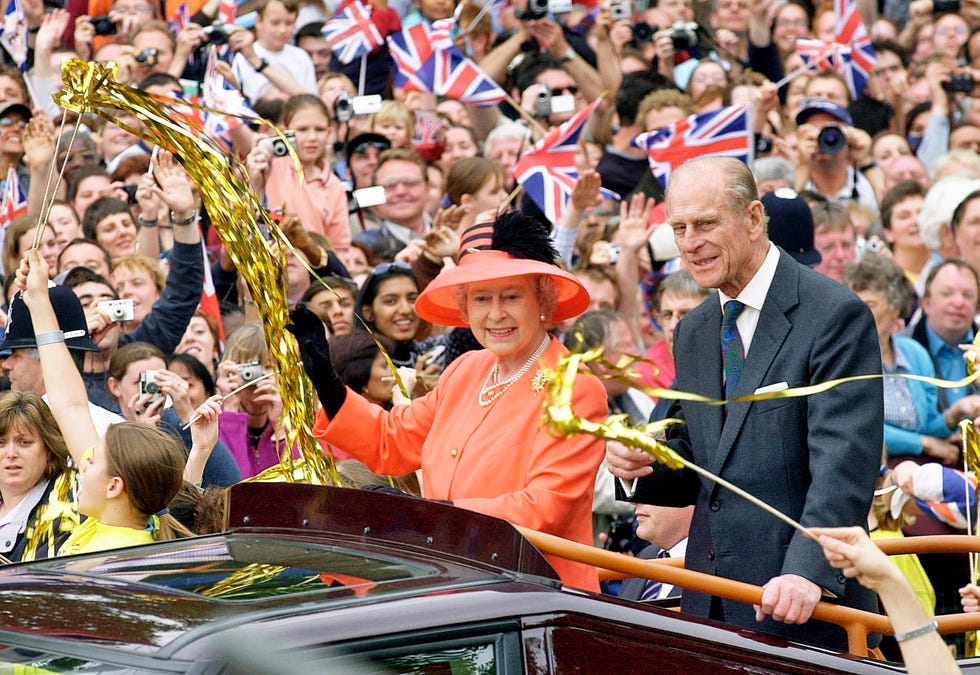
{"points": [[774, 168], [509, 131]]}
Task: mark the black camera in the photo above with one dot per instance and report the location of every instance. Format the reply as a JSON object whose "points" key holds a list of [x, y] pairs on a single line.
{"points": [[103, 25], [831, 140], [217, 34], [148, 57], [130, 191], [643, 32], [684, 35], [959, 82]]}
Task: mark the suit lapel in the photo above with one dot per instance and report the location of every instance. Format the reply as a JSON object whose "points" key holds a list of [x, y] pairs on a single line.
{"points": [[705, 350], [770, 333]]}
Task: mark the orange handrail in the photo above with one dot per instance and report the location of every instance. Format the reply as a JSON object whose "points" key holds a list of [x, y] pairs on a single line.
{"points": [[857, 623]]}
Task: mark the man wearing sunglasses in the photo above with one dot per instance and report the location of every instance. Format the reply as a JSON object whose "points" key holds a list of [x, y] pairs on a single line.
{"points": [[362, 154]]}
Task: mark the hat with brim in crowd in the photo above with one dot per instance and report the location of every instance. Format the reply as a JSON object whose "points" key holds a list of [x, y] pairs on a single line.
{"points": [[377, 140], [71, 320], [811, 106], [19, 108], [791, 225], [512, 246]]}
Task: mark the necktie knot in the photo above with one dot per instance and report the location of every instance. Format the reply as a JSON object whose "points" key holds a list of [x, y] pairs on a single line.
{"points": [[733, 308]]}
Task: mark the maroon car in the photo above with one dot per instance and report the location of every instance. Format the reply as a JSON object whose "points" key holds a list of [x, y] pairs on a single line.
{"points": [[321, 580]]}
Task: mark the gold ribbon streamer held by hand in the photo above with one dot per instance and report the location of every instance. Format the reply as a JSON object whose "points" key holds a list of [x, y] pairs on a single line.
{"points": [[561, 419], [232, 205]]}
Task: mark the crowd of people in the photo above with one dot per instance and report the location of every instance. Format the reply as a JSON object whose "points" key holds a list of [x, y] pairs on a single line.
{"points": [[847, 245]]}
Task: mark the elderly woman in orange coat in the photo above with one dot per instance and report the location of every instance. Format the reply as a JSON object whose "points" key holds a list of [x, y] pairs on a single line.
{"points": [[477, 436]]}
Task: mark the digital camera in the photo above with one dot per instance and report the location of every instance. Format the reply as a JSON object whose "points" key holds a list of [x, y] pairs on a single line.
{"points": [[148, 57], [249, 372], [276, 146], [103, 25], [118, 310], [684, 35], [149, 384], [620, 10], [959, 82], [831, 140], [217, 34]]}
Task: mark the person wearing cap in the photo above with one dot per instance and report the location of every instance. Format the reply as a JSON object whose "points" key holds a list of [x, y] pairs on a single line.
{"points": [[22, 364], [772, 325], [362, 154], [477, 436], [791, 225], [826, 168], [14, 118]]}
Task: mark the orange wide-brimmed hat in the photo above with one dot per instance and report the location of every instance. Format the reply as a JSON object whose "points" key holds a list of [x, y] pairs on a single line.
{"points": [[511, 246]]}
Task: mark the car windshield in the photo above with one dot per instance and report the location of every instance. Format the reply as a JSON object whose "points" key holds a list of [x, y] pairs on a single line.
{"points": [[248, 569]]}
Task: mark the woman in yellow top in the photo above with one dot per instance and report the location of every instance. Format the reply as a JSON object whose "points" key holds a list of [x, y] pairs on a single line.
{"points": [[127, 478]]}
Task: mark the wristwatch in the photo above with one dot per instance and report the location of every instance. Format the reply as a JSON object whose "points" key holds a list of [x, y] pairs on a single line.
{"points": [[568, 55], [263, 64]]}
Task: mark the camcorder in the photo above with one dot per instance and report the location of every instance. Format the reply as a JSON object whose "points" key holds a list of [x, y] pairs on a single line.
{"points": [[538, 9], [547, 103], [831, 140], [276, 146], [249, 372], [346, 107], [118, 310]]}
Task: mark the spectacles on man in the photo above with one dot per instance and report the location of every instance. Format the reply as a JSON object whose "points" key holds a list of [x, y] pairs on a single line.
{"points": [[407, 181]]}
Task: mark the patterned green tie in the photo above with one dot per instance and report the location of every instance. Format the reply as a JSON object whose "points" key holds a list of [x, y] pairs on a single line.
{"points": [[732, 350]]}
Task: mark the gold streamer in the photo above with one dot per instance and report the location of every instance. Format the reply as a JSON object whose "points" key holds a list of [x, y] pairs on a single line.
{"points": [[559, 416], [232, 204]]}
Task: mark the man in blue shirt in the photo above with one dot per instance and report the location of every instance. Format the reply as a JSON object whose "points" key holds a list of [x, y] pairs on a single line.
{"points": [[951, 301]]}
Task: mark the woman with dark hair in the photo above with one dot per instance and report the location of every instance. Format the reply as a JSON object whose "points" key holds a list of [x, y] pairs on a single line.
{"points": [[362, 367], [386, 304], [477, 436], [900, 208]]}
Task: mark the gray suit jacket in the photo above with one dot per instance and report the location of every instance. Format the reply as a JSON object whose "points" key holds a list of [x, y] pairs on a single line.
{"points": [[815, 459]]}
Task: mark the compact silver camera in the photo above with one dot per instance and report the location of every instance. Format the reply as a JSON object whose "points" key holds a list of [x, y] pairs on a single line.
{"points": [[149, 384], [276, 146], [249, 372], [118, 310]]}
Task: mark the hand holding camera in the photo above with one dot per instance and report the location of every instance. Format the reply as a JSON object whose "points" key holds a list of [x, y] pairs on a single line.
{"points": [[118, 311]]}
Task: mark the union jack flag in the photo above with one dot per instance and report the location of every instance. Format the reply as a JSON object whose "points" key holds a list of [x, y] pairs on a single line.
{"points": [[427, 128], [218, 94], [849, 30], [547, 170], [13, 34], [820, 55], [227, 11], [350, 33], [182, 17], [427, 60], [719, 132], [14, 200]]}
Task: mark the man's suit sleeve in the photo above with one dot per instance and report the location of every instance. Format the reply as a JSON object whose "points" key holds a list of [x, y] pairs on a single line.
{"points": [[844, 435]]}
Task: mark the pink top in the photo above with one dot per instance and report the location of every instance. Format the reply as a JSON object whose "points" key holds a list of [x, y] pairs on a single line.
{"points": [[320, 203]]}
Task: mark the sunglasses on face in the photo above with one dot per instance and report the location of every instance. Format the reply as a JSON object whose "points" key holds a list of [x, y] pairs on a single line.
{"points": [[361, 148]]}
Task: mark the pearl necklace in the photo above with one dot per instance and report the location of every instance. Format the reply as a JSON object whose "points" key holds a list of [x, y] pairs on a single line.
{"points": [[490, 392]]}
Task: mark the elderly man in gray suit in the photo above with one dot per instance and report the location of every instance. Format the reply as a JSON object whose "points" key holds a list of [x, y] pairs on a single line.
{"points": [[773, 324]]}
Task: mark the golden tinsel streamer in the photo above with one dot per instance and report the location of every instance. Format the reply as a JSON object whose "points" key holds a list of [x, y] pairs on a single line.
{"points": [[562, 420], [232, 205]]}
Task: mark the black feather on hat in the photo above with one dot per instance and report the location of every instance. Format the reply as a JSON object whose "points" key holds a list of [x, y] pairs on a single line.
{"points": [[523, 237]]}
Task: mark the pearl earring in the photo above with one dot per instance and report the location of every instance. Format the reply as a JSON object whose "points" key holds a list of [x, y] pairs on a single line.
{"points": [[541, 316]]}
